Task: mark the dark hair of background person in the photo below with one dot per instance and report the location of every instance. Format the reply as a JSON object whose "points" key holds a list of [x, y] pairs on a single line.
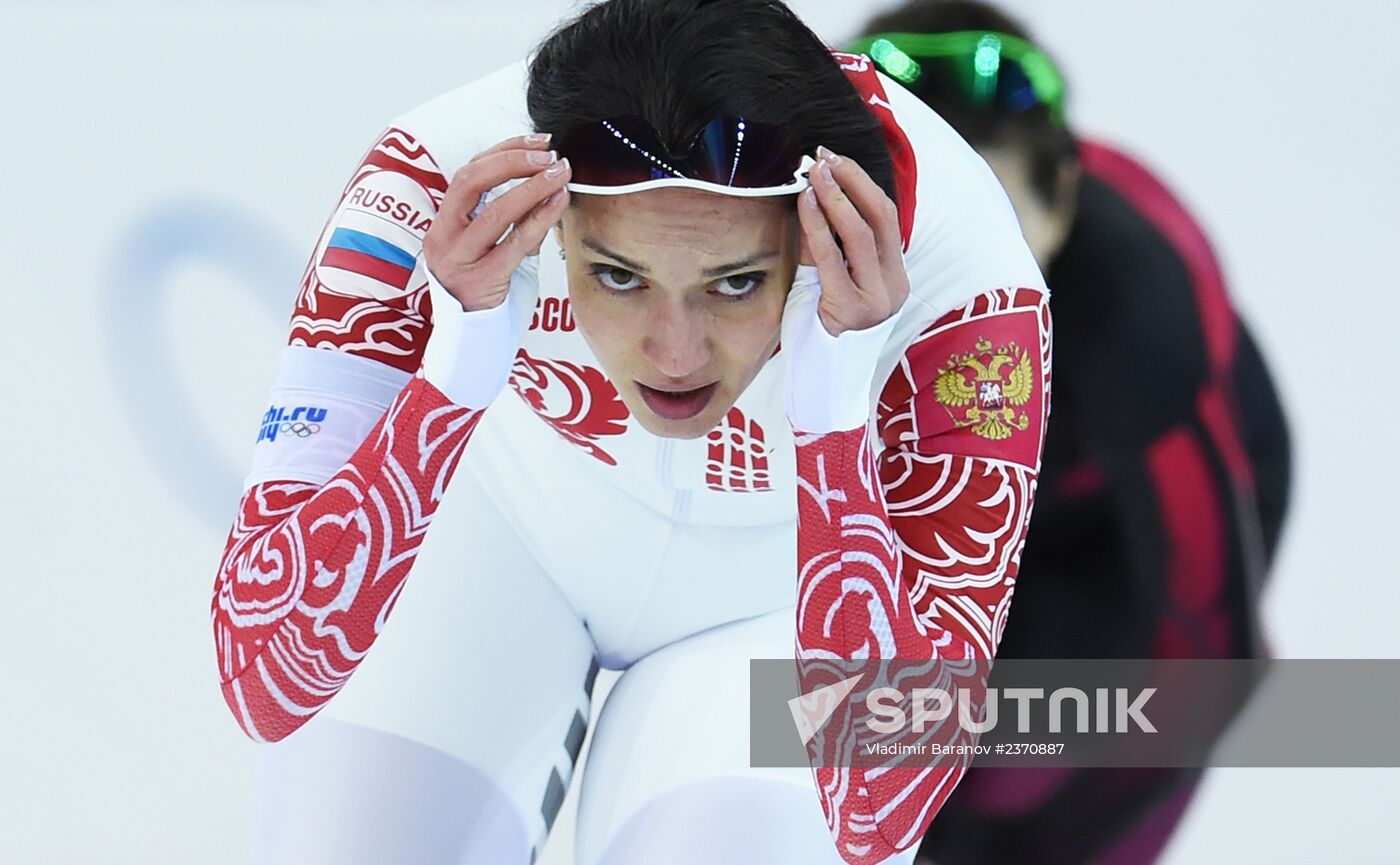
{"points": [[1034, 130], [681, 63]]}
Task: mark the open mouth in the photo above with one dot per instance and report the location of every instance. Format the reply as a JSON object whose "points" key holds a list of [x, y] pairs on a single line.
{"points": [[678, 404]]}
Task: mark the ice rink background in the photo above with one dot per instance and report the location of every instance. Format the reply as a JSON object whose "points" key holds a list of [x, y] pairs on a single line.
{"points": [[170, 165]]}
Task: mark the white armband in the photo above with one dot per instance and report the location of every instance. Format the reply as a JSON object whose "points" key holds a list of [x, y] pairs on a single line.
{"points": [[470, 354], [828, 377], [322, 406]]}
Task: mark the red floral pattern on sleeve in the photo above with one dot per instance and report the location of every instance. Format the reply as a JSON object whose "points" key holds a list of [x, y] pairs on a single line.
{"points": [[309, 575], [397, 189], [913, 554]]}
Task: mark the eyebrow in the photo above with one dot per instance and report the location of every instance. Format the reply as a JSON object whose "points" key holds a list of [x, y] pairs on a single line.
{"points": [[709, 271]]}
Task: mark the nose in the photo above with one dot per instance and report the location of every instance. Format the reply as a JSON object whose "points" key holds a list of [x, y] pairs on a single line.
{"points": [[677, 338]]}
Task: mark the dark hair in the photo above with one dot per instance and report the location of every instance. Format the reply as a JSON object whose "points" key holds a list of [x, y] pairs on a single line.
{"points": [[1034, 132], [680, 63]]}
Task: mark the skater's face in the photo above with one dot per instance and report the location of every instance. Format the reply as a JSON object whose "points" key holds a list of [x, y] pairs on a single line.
{"points": [[1045, 224], [679, 293]]}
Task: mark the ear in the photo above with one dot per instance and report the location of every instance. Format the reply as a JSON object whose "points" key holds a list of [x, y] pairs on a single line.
{"points": [[1067, 176], [558, 236]]}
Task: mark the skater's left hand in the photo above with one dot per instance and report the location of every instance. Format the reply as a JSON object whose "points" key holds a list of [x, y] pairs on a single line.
{"points": [[867, 284]]}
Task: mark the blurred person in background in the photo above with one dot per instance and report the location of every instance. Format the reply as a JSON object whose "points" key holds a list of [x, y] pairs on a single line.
{"points": [[1167, 463]]}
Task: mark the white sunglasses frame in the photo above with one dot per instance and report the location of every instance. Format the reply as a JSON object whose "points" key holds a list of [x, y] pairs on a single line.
{"points": [[800, 181]]}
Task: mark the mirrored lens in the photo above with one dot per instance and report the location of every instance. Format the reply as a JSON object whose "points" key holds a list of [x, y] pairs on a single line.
{"points": [[729, 151], [732, 151]]}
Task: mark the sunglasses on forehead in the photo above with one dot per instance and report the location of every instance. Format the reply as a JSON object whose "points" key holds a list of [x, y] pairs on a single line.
{"points": [[982, 68], [729, 156]]}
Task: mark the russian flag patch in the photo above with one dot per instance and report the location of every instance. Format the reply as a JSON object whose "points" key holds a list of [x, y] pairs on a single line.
{"points": [[371, 249], [368, 255]]}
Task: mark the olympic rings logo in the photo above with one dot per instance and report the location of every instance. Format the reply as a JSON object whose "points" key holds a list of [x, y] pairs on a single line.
{"points": [[301, 430]]}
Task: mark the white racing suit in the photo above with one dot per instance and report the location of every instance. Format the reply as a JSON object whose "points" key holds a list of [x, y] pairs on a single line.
{"points": [[867, 496]]}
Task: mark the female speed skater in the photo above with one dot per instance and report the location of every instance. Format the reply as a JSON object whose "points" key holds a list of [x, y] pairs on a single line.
{"points": [[624, 355], [1165, 475]]}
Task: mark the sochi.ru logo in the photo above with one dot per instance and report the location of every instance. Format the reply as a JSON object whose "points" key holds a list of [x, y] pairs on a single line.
{"points": [[302, 421]]}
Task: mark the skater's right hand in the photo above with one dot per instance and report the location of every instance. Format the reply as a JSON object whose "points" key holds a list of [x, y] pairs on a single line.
{"points": [[463, 248]]}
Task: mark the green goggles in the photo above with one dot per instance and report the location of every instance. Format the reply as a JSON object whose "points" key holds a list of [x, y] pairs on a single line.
{"points": [[985, 69]]}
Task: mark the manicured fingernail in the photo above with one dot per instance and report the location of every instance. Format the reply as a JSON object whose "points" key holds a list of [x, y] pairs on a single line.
{"points": [[557, 197], [557, 168], [809, 197], [825, 171], [539, 137], [826, 154], [543, 157]]}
